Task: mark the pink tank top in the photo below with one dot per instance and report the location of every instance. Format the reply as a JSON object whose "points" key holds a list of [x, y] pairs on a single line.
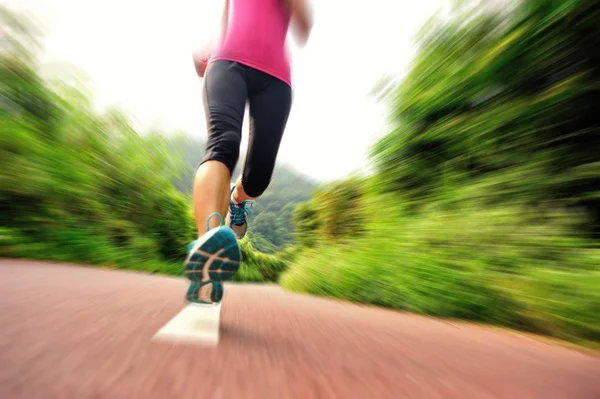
{"points": [[256, 36]]}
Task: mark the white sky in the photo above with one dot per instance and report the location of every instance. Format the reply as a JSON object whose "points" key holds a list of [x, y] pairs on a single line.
{"points": [[138, 54]]}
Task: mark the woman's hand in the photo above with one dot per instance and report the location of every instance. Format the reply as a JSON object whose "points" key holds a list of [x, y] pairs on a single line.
{"points": [[201, 59]]}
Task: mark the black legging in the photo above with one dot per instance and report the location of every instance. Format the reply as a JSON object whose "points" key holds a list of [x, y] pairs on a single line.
{"points": [[227, 87]]}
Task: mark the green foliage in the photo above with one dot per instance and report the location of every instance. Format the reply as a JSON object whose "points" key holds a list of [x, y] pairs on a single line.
{"points": [[334, 213], [258, 266], [306, 223], [76, 185], [506, 265], [484, 204], [502, 98]]}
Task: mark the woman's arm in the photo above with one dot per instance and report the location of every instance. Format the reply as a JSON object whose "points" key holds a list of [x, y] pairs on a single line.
{"points": [[224, 20], [202, 57], [302, 19]]}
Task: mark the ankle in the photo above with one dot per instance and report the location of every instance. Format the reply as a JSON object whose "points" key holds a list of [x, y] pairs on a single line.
{"points": [[235, 197], [238, 195], [239, 198]]}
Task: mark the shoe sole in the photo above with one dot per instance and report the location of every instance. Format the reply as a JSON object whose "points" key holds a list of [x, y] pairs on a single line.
{"points": [[213, 261], [239, 236]]}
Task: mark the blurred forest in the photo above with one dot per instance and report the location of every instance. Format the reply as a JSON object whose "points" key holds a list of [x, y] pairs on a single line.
{"points": [[484, 204], [78, 185]]}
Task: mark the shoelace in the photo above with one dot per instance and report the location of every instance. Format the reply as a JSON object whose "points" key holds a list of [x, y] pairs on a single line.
{"points": [[191, 244], [239, 213]]}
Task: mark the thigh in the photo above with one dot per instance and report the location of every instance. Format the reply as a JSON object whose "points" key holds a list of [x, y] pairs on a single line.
{"points": [[225, 94], [269, 111]]}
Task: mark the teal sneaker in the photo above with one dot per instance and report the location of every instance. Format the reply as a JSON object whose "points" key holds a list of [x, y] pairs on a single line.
{"points": [[237, 216], [212, 259]]}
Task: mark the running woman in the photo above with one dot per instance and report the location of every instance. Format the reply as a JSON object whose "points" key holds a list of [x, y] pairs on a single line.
{"points": [[249, 65]]}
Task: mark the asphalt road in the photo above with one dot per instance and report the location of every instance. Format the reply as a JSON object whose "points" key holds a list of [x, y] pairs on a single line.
{"points": [[79, 332]]}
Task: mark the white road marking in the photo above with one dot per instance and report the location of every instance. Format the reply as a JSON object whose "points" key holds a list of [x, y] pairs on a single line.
{"points": [[196, 323]]}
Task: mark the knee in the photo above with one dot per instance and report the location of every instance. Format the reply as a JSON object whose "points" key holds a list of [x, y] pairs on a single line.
{"points": [[255, 186]]}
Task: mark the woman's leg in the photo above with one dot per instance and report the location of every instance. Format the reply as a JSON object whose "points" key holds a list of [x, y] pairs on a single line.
{"points": [[270, 104], [269, 111], [215, 256], [225, 95]]}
